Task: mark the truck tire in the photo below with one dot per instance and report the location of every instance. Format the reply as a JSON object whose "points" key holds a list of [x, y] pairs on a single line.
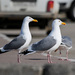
{"points": [[49, 26], [71, 12], [42, 23]]}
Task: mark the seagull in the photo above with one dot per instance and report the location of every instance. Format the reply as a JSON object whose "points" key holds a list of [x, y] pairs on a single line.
{"points": [[49, 43], [21, 41], [66, 44]]}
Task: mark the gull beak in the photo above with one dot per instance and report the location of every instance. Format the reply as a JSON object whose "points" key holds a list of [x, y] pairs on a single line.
{"points": [[35, 20], [63, 23]]}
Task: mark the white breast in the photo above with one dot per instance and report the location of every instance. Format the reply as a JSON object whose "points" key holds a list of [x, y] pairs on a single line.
{"points": [[26, 44], [57, 37], [58, 42]]}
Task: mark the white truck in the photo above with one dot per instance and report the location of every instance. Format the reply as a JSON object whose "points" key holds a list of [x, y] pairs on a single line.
{"points": [[44, 10]]}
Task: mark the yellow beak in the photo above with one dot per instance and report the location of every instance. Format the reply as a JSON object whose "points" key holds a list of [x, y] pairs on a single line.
{"points": [[63, 23], [35, 20]]}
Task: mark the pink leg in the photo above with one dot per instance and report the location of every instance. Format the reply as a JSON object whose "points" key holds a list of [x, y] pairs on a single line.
{"points": [[49, 58], [60, 55], [18, 58], [67, 56]]}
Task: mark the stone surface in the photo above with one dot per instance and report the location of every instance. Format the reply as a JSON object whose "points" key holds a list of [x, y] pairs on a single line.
{"points": [[19, 70], [59, 69]]}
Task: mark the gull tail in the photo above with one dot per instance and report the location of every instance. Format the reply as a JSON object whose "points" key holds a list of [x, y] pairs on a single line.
{"points": [[26, 52]]}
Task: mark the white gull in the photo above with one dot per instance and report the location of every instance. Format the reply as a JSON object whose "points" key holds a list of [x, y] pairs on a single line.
{"points": [[65, 45], [21, 41], [49, 43]]}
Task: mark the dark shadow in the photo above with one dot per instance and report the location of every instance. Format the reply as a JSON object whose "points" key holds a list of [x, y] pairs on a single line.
{"points": [[34, 59]]}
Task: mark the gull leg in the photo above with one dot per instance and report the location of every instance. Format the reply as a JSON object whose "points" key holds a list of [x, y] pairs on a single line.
{"points": [[67, 56], [60, 55], [18, 58], [49, 58]]}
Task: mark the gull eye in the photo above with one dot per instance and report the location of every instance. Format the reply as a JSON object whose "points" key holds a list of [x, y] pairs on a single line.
{"points": [[29, 18]]}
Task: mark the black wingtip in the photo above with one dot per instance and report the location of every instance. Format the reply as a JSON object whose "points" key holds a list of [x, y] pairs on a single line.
{"points": [[22, 52], [25, 52], [2, 52]]}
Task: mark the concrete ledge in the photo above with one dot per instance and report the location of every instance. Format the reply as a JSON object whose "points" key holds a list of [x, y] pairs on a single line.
{"points": [[59, 69], [52, 69], [19, 70]]}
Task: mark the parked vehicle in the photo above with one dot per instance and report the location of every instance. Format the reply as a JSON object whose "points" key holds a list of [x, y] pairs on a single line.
{"points": [[43, 10], [68, 7]]}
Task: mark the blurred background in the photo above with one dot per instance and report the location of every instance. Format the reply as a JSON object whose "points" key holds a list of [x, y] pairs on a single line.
{"points": [[12, 13]]}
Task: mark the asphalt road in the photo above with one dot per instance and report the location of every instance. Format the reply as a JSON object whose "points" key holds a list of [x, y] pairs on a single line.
{"points": [[36, 59]]}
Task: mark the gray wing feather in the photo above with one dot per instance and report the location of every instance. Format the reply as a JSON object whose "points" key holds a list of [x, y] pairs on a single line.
{"points": [[44, 44], [15, 43], [67, 41]]}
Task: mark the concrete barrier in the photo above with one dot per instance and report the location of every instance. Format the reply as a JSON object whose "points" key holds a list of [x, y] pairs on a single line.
{"points": [[19, 70], [59, 69], [52, 69]]}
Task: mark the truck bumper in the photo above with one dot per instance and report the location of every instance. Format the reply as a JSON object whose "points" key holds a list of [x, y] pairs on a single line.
{"points": [[23, 14]]}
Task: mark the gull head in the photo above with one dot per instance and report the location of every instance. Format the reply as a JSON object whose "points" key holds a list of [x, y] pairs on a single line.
{"points": [[29, 19], [58, 22]]}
